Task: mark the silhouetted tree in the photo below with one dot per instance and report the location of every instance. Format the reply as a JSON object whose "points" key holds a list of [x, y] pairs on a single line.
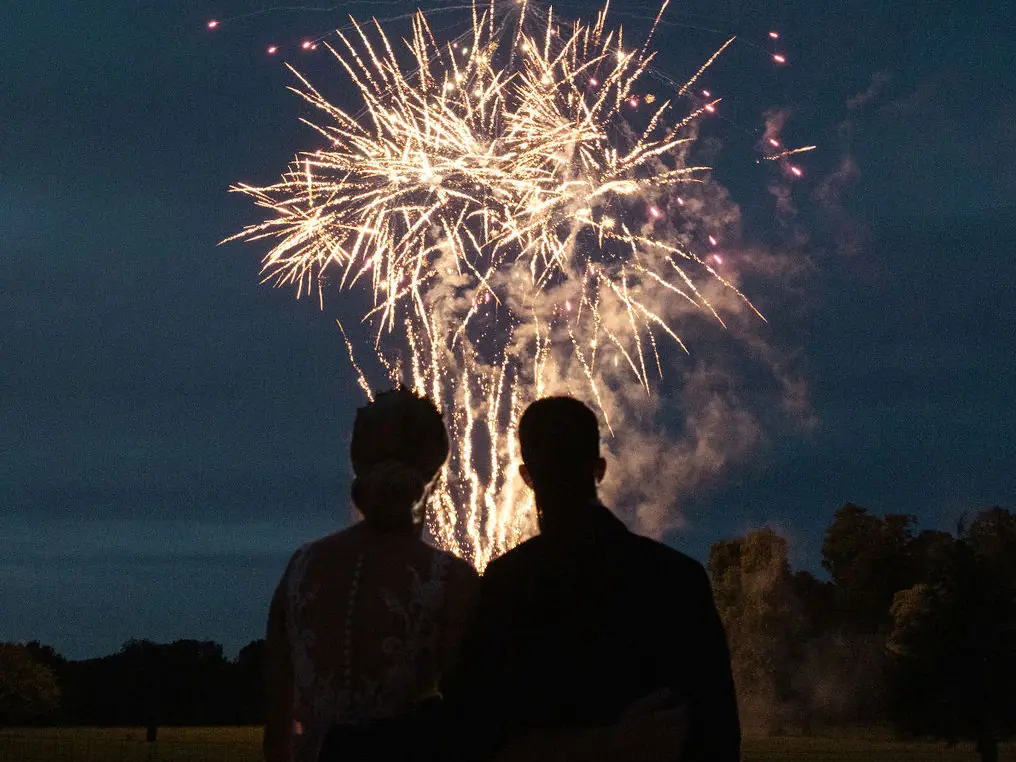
{"points": [[28, 688], [953, 643], [992, 535], [927, 552], [754, 594], [817, 599], [188, 682], [869, 560], [47, 655], [837, 675], [248, 683]]}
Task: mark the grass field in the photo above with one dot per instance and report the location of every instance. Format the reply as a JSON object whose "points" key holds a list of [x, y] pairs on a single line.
{"points": [[244, 745]]}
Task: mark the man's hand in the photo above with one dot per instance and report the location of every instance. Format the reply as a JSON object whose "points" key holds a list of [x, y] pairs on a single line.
{"points": [[653, 729]]}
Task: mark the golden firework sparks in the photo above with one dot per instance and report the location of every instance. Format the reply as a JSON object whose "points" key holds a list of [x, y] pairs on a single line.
{"points": [[507, 216]]}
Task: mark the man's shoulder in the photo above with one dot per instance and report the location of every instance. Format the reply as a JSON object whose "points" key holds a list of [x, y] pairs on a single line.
{"points": [[523, 560], [653, 552], [520, 554], [644, 551]]}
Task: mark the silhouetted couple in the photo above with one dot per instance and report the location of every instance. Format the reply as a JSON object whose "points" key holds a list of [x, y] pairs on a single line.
{"points": [[586, 642]]}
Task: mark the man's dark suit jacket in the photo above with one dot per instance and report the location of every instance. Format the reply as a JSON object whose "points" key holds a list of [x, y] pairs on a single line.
{"points": [[573, 626]]}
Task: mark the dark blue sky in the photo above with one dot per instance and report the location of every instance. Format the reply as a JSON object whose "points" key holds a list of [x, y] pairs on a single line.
{"points": [[171, 431]]}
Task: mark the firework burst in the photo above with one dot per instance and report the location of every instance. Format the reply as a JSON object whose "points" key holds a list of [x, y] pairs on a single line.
{"points": [[504, 194]]}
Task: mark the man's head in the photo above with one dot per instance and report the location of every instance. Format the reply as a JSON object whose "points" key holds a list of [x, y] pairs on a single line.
{"points": [[560, 441]]}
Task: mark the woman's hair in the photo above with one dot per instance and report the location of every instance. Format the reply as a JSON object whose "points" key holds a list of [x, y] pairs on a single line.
{"points": [[399, 444]]}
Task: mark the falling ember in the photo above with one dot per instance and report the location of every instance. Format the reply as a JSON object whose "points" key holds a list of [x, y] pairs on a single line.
{"points": [[789, 152], [711, 108], [212, 24], [707, 94], [774, 142], [633, 102], [437, 199], [717, 259], [774, 35], [779, 58], [797, 171], [272, 50]]}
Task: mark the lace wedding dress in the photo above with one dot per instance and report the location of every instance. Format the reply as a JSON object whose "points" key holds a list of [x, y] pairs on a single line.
{"points": [[372, 622]]}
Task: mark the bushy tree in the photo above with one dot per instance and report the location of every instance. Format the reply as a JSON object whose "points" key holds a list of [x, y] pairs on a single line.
{"points": [[817, 599], [248, 682], [869, 560], [992, 535], [753, 588], [28, 688], [953, 644], [187, 682]]}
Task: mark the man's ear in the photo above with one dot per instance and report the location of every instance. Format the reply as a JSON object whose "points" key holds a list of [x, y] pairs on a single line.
{"points": [[600, 469], [524, 473]]}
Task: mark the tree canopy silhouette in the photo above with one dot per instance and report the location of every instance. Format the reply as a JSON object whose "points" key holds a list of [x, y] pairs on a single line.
{"points": [[28, 688], [953, 643]]}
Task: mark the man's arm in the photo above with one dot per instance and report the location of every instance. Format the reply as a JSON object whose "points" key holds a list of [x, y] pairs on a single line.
{"points": [[715, 727], [650, 731]]}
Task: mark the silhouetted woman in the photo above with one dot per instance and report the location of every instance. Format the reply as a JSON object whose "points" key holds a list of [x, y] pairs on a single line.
{"points": [[365, 621]]}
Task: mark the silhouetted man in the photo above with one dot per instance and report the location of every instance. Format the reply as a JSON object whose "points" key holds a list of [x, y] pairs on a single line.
{"points": [[578, 623]]}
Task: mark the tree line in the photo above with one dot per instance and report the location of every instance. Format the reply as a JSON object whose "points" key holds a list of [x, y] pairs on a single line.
{"points": [[914, 629], [187, 682]]}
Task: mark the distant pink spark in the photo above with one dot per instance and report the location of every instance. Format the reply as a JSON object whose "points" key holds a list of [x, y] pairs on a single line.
{"points": [[774, 142], [567, 306], [654, 212], [593, 81], [633, 102], [712, 240], [797, 171], [711, 108], [774, 35], [718, 259], [779, 58], [680, 201], [707, 94], [305, 44], [272, 50], [212, 24]]}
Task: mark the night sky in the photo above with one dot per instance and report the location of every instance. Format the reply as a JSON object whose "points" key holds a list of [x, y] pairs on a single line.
{"points": [[171, 430]]}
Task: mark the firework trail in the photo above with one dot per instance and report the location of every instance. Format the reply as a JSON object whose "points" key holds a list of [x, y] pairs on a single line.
{"points": [[506, 198], [789, 152]]}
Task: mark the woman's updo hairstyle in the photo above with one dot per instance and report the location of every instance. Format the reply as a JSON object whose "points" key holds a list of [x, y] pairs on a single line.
{"points": [[399, 445]]}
